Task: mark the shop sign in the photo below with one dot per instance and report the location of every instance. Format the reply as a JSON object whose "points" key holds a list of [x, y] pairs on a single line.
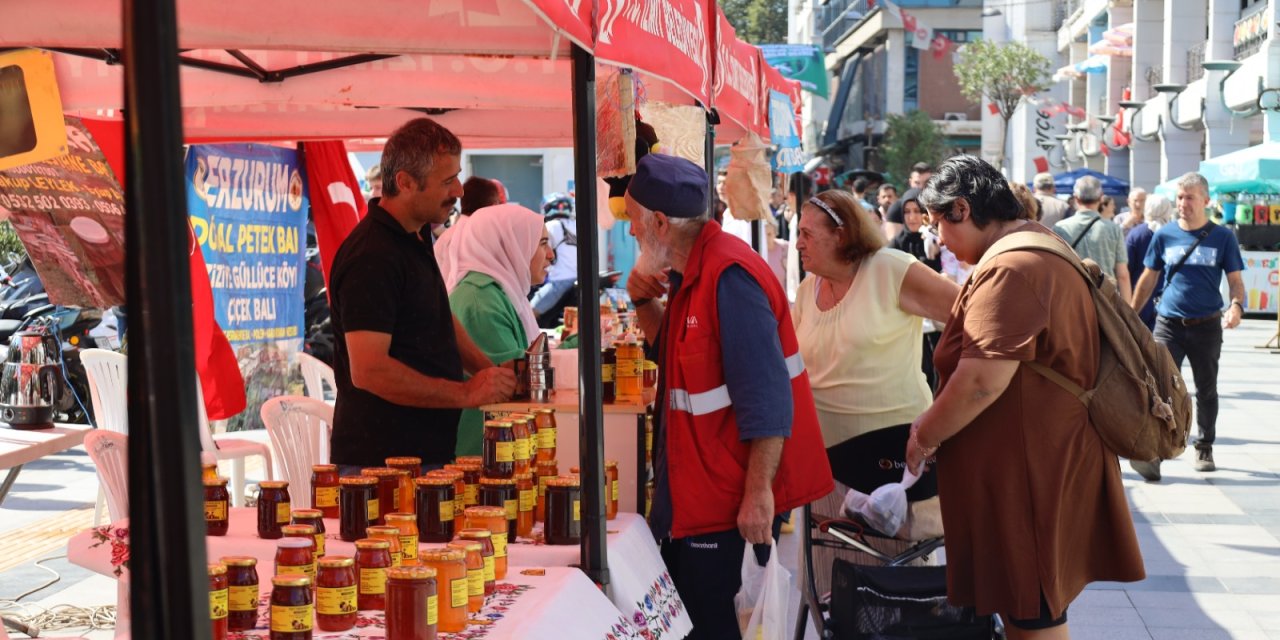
{"points": [[1252, 30]]}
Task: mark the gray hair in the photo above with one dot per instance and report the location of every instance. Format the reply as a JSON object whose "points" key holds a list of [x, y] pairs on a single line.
{"points": [[1193, 180], [1133, 193], [1158, 213], [413, 149], [684, 227], [1043, 180], [1088, 190]]}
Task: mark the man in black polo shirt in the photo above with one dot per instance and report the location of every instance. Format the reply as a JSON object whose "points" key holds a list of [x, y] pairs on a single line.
{"points": [[400, 353]]}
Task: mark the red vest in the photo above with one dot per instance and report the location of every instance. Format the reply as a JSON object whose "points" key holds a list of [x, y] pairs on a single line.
{"points": [[706, 462]]}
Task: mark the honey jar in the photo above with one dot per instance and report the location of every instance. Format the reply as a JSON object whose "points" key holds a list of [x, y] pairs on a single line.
{"points": [[435, 506], [475, 572], [630, 370], [388, 490], [359, 502], [315, 519], [336, 593], [412, 464], [526, 501], [412, 604], [485, 539], [292, 607], [218, 600], [564, 511], [273, 508], [324, 489], [392, 536], [295, 555], [493, 519], [522, 429], [547, 469], [216, 506], [373, 559], [459, 491], [499, 449], [451, 584], [611, 489], [407, 525], [608, 375], [545, 425], [242, 592], [501, 492]]}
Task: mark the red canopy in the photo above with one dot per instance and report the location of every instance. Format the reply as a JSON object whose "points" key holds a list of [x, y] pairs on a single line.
{"points": [[738, 96], [666, 39]]}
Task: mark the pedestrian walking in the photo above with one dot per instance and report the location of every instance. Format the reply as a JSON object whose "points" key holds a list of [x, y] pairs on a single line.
{"points": [[1157, 210], [1052, 210], [1094, 236]]}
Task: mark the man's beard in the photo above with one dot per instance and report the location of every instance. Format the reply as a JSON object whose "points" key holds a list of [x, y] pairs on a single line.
{"points": [[654, 256]]}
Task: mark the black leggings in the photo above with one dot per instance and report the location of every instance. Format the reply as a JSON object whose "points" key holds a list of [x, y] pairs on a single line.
{"points": [[1043, 621]]}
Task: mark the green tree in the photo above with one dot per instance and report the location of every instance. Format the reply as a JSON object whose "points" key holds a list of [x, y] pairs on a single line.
{"points": [[1002, 74], [757, 21], [909, 139]]}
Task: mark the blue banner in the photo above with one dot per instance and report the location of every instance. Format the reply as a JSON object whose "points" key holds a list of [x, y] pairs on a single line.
{"points": [[789, 158], [248, 205]]}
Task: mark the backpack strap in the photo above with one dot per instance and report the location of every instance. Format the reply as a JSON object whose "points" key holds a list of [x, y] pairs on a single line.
{"points": [[1085, 232]]}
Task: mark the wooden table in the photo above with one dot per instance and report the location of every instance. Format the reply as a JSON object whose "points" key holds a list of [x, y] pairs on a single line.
{"points": [[20, 446]]}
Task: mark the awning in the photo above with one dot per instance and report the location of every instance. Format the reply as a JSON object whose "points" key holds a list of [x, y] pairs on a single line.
{"points": [[1252, 170], [1064, 183]]}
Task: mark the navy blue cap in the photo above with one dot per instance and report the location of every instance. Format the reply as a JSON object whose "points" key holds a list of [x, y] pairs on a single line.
{"points": [[674, 186]]}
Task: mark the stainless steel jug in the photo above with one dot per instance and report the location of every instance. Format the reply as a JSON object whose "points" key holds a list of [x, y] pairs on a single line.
{"points": [[31, 380]]}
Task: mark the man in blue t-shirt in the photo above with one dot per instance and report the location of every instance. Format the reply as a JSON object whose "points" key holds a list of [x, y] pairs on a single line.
{"points": [[1190, 315]]}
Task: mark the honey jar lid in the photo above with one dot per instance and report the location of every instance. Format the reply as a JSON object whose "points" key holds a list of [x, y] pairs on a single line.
{"points": [[307, 514], [497, 481], [401, 517], [484, 512], [494, 424], [215, 482], [610, 464], [472, 467], [544, 411], [564, 481], [442, 555], [475, 534], [411, 574], [291, 580], [295, 543], [380, 471], [298, 530], [239, 561], [466, 545], [217, 569], [358, 480], [323, 468], [335, 562], [650, 365], [437, 480], [403, 460], [382, 530], [273, 484], [465, 460], [372, 543], [547, 463], [524, 475]]}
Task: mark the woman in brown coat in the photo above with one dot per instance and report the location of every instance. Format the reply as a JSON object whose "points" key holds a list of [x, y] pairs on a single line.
{"points": [[1032, 501]]}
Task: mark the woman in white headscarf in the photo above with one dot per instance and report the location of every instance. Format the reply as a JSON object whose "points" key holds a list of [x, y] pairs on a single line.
{"points": [[501, 252]]}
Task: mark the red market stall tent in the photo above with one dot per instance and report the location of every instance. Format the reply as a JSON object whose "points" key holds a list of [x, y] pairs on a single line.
{"points": [[499, 73]]}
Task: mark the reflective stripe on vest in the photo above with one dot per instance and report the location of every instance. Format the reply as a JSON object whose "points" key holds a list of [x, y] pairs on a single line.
{"points": [[701, 404]]}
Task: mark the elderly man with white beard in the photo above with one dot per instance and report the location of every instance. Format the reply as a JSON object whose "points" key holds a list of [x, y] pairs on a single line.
{"points": [[737, 440]]}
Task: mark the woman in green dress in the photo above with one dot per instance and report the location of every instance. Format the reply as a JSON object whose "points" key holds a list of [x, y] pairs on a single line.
{"points": [[502, 252]]}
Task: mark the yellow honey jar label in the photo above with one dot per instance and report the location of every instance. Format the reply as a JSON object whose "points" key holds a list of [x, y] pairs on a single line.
{"points": [[302, 569], [522, 449], [286, 619], [547, 438], [336, 601], [282, 513], [459, 503], [490, 570], [528, 498], [511, 507], [446, 511], [499, 545], [397, 558], [458, 593], [475, 582], [472, 495], [326, 497], [218, 604], [577, 510], [505, 451], [242, 598], [319, 545], [629, 368], [373, 581], [606, 373], [433, 609], [373, 510], [614, 488], [409, 547], [215, 510]]}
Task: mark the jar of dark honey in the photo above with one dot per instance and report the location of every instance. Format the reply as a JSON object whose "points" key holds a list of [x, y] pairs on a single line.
{"points": [[545, 426], [499, 449], [308, 533], [526, 501], [392, 536], [359, 502], [336, 593], [218, 600], [564, 510], [324, 489], [216, 506], [459, 490], [435, 506], [412, 464], [242, 592], [314, 518], [295, 555], [608, 369], [373, 559], [484, 538], [475, 572], [273, 508], [388, 490], [407, 526], [412, 604], [611, 489], [292, 608], [501, 492], [547, 469]]}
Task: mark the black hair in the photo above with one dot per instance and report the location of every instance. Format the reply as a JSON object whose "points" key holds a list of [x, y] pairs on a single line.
{"points": [[860, 185], [922, 167], [980, 184], [478, 193]]}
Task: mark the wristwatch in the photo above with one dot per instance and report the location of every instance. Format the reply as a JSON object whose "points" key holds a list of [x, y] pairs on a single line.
{"points": [[1237, 303]]}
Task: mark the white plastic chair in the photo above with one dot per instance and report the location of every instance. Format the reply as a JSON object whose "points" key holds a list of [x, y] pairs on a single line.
{"points": [[226, 446], [110, 454], [316, 374], [108, 374], [299, 428]]}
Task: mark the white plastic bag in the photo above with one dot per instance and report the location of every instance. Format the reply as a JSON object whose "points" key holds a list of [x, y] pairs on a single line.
{"points": [[764, 597], [886, 509]]}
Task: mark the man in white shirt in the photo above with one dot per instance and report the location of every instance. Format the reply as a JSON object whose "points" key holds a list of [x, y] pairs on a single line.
{"points": [[562, 236], [1053, 210]]}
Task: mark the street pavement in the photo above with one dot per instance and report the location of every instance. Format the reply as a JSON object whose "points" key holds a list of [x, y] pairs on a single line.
{"points": [[1211, 541]]}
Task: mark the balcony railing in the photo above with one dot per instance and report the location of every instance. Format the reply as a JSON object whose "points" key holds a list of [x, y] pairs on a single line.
{"points": [[1195, 62], [837, 17]]}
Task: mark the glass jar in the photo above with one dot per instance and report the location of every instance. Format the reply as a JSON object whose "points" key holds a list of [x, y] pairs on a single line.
{"points": [[435, 505], [373, 558], [295, 555], [544, 421], [308, 533], [608, 369], [451, 583], [324, 489], [218, 600], [611, 489], [336, 593], [469, 460], [493, 519], [471, 474], [208, 468], [412, 604], [412, 464], [407, 526], [630, 370], [650, 374], [547, 469], [216, 502], [485, 539], [501, 492], [472, 556], [242, 592], [292, 607], [564, 510], [526, 501], [522, 429], [314, 518], [459, 491], [388, 491], [392, 536], [273, 508], [499, 447], [359, 498]]}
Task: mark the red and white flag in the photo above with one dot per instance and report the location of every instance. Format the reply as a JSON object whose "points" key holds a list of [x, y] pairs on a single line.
{"points": [[336, 203]]}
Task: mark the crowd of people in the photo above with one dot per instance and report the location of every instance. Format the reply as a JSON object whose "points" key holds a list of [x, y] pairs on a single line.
{"points": [[902, 349]]}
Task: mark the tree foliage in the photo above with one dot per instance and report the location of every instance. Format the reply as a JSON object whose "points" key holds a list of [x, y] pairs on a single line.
{"points": [[909, 139], [757, 21], [1003, 75]]}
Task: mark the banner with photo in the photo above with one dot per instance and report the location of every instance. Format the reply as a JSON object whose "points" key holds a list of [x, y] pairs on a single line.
{"points": [[69, 213], [248, 205], [804, 63], [790, 157]]}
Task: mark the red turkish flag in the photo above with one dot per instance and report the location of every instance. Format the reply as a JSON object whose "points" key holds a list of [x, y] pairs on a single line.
{"points": [[995, 110], [1106, 151], [336, 203], [908, 22], [1042, 164], [940, 46], [216, 364]]}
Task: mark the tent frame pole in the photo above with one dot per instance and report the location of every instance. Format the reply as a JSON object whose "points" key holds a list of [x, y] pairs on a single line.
{"points": [[166, 520], [595, 559]]}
